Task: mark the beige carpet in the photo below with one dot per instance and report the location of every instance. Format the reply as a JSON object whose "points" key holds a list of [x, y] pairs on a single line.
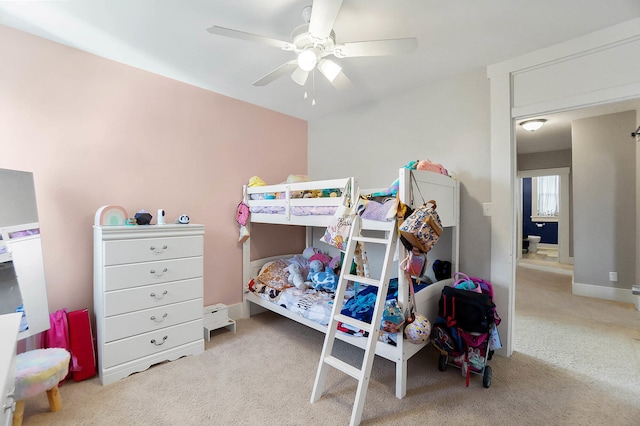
{"points": [[577, 362]]}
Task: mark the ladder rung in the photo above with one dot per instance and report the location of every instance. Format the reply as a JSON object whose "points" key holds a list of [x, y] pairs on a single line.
{"points": [[376, 225], [374, 240], [362, 280], [344, 367], [353, 322]]}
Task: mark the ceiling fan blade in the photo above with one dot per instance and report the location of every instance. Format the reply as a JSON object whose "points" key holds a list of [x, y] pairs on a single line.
{"points": [[323, 16], [227, 32], [283, 69], [300, 76], [396, 46]]}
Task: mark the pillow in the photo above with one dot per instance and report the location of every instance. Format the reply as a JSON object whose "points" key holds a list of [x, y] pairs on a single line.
{"points": [[275, 275], [377, 211]]}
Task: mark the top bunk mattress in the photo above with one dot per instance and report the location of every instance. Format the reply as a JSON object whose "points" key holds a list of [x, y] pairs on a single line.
{"points": [[310, 203]]}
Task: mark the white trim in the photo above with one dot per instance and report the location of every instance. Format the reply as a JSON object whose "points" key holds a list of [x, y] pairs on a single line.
{"points": [[504, 190], [563, 222], [545, 218], [584, 100], [560, 171], [503, 159], [623, 295], [607, 38]]}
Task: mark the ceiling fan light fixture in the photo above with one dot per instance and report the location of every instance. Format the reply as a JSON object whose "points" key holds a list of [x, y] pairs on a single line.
{"points": [[300, 76], [307, 59], [533, 125], [329, 69]]}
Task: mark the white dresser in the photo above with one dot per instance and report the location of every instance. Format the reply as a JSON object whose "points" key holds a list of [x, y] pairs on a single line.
{"points": [[147, 293], [9, 325]]}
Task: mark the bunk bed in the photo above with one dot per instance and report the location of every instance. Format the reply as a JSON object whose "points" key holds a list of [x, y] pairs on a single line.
{"points": [[413, 185]]}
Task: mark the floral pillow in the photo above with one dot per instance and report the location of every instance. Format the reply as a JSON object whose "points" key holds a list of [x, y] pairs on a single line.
{"points": [[274, 274]]}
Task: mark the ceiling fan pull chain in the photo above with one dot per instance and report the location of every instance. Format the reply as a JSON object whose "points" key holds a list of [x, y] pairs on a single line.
{"points": [[313, 87]]}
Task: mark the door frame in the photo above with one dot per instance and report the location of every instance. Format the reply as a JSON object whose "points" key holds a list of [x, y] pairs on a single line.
{"points": [[564, 220], [590, 70]]}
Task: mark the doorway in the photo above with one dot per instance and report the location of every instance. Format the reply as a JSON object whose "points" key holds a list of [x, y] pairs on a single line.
{"points": [[558, 78], [552, 255]]}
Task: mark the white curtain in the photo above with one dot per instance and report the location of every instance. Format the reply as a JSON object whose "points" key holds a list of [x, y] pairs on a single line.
{"points": [[548, 195]]}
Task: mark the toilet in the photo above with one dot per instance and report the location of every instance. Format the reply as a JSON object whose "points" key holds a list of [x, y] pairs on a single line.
{"points": [[533, 243]]}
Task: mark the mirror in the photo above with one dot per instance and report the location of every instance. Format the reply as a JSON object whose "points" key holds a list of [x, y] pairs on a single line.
{"points": [[22, 281]]}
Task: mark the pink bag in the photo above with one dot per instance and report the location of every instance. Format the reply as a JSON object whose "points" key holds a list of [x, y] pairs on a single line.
{"points": [[57, 336]]}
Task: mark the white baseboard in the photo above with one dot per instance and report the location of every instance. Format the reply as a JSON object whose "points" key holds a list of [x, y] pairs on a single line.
{"points": [[547, 246], [623, 295]]}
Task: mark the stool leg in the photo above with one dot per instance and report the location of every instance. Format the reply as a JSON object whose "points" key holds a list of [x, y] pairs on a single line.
{"points": [[55, 404], [19, 413]]}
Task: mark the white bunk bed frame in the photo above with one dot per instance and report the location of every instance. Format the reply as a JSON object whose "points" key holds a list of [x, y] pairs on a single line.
{"points": [[445, 190]]}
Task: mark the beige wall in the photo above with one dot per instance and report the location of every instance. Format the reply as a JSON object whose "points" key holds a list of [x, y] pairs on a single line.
{"points": [[544, 160], [96, 132], [604, 175]]}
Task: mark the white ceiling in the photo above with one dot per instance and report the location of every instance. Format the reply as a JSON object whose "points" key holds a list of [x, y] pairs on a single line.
{"points": [[169, 37]]}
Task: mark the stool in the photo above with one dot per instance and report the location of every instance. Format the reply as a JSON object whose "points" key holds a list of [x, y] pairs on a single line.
{"points": [[38, 371]]}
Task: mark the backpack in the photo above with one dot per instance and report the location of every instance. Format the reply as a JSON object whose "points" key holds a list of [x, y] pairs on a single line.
{"points": [[422, 228], [466, 310]]}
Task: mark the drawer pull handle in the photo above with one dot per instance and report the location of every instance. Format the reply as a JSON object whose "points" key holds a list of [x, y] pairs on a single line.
{"points": [[164, 339], [155, 296], [158, 250], [158, 274], [153, 318]]}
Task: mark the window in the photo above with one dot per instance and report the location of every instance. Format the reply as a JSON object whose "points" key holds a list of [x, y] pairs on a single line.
{"points": [[545, 194]]}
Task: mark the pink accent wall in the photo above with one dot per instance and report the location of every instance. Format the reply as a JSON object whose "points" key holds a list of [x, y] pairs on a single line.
{"points": [[96, 132]]}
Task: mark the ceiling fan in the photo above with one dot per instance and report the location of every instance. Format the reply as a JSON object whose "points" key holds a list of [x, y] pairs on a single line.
{"points": [[314, 41]]}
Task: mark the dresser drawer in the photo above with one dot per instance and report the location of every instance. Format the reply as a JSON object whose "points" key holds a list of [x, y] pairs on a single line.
{"points": [[151, 343], [150, 249], [126, 325], [152, 296], [140, 274]]}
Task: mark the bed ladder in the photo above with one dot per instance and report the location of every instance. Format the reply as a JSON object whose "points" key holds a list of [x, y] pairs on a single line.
{"points": [[327, 359]]}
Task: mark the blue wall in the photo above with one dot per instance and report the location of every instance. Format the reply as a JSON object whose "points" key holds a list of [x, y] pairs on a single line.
{"points": [[549, 230]]}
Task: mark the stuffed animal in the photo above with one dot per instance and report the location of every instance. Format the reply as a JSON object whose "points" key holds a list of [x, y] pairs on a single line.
{"points": [[315, 266], [313, 193], [432, 167], [328, 280], [322, 258], [321, 279], [335, 264], [295, 276], [309, 251], [256, 181]]}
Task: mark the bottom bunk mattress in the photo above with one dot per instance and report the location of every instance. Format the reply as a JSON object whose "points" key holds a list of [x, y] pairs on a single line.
{"points": [[316, 304]]}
